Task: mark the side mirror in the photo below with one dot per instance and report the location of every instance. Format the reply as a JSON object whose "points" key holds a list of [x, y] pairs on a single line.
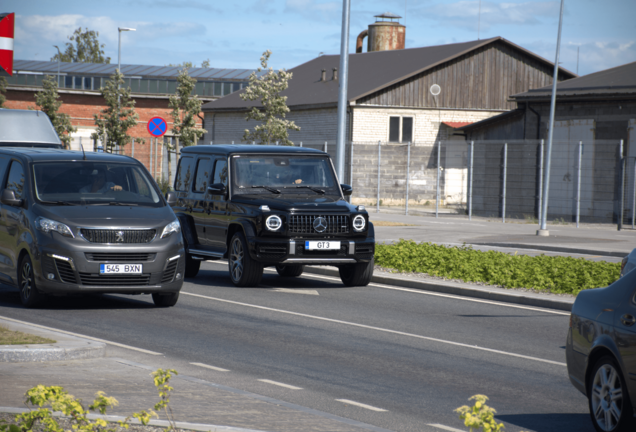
{"points": [[216, 189], [346, 189], [171, 198], [8, 198]]}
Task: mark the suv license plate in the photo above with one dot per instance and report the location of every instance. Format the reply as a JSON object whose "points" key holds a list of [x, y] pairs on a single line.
{"points": [[322, 245], [120, 268]]}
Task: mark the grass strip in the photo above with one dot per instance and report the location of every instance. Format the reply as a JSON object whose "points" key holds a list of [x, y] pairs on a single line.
{"points": [[8, 337], [555, 274]]}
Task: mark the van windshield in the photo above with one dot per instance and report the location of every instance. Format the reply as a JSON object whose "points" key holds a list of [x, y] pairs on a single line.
{"points": [[260, 174], [91, 183]]}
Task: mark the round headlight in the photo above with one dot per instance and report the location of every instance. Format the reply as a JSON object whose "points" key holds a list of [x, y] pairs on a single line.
{"points": [[359, 223], [273, 223]]}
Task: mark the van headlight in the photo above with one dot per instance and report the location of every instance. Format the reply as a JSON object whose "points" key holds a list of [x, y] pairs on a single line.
{"points": [[48, 225], [359, 223], [273, 223], [172, 227]]}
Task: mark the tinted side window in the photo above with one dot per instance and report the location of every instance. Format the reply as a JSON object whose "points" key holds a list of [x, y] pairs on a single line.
{"points": [[16, 179], [185, 174], [220, 172], [204, 172]]}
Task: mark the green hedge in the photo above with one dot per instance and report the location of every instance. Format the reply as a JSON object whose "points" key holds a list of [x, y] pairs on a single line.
{"points": [[554, 274]]}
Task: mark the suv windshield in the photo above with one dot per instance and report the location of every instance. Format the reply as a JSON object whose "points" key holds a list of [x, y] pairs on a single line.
{"points": [[282, 174], [92, 183]]}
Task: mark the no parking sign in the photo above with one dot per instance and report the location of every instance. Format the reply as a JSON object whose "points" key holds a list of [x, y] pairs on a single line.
{"points": [[157, 126]]}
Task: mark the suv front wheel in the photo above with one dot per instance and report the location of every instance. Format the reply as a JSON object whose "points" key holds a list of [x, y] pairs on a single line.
{"points": [[244, 271], [29, 293], [358, 274]]}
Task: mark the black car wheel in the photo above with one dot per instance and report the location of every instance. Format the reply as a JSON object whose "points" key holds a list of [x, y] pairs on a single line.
{"points": [[29, 293], [290, 270], [191, 266], [165, 300], [610, 407], [358, 274], [244, 271]]}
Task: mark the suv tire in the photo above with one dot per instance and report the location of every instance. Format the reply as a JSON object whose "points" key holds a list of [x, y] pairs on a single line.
{"points": [[605, 380], [290, 270], [244, 271], [165, 300], [191, 266], [29, 294], [358, 274]]}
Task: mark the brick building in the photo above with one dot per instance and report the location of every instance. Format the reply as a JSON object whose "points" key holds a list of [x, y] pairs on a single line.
{"points": [[151, 88]]}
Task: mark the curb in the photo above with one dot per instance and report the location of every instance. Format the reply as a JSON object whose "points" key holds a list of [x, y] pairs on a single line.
{"points": [[466, 290], [153, 422], [553, 249], [65, 348]]}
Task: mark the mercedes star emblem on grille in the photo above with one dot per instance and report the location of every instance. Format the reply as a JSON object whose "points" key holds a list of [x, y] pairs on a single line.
{"points": [[320, 224], [119, 237]]}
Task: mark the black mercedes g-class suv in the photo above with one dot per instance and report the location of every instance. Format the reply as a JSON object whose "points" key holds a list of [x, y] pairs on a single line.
{"points": [[261, 206]]}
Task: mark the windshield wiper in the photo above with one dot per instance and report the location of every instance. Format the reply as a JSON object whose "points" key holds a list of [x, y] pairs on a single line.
{"points": [[271, 189], [320, 191], [121, 204], [67, 203]]}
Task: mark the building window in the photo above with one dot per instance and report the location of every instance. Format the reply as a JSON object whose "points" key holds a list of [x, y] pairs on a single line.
{"points": [[227, 89], [68, 82], [218, 89], [400, 129]]}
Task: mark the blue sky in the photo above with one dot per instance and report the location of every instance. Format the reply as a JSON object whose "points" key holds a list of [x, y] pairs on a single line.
{"points": [[234, 33]]}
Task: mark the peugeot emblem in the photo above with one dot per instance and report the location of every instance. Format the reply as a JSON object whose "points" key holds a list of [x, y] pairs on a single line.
{"points": [[119, 237], [320, 224]]}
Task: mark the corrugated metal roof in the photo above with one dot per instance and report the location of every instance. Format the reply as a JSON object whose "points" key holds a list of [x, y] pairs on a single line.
{"points": [[620, 80], [368, 73], [145, 71]]}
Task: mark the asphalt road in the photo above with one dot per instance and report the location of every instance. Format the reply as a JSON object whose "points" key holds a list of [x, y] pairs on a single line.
{"points": [[395, 358]]}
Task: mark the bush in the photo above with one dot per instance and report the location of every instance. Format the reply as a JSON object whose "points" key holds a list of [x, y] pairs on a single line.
{"points": [[164, 185], [554, 274]]}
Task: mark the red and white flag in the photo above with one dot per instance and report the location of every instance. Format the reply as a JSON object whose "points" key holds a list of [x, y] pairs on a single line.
{"points": [[7, 25]]}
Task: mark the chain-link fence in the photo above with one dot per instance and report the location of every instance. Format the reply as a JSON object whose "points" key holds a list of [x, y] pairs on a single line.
{"points": [[589, 181]]}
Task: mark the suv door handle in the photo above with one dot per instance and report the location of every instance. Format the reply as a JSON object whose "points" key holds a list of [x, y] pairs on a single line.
{"points": [[628, 320]]}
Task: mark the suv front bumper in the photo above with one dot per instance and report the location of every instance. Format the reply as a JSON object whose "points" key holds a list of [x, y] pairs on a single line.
{"points": [[293, 251]]}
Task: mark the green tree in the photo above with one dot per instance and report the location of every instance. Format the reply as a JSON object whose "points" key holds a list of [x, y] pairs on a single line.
{"points": [[48, 102], [185, 108], [3, 90], [114, 121], [271, 114], [87, 48], [205, 63]]}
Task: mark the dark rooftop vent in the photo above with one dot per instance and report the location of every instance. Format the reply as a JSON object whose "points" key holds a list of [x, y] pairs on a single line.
{"points": [[323, 75], [335, 74]]}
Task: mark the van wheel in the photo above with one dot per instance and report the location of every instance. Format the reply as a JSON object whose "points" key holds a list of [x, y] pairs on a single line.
{"points": [[290, 270], [29, 293], [191, 266], [610, 407], [358, 274], [165, 300], [244, 271]]}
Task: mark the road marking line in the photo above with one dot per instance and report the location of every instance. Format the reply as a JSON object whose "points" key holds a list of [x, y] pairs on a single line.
{"points": [[295, 291], [84, 336], [447, 428], [416, 291], [361, 405], [475, 347], [280, 384], [218, 369]]}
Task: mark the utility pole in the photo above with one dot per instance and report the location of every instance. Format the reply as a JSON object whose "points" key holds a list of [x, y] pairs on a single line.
{"points": [[342, 93], [543, 231], [59, 57]]}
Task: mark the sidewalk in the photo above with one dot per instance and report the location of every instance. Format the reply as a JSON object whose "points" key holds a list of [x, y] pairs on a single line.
{"points": [[490, 233]]}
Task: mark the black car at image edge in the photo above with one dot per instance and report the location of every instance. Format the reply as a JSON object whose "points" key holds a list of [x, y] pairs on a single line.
{"points": [[75, 223], [261, 206]]}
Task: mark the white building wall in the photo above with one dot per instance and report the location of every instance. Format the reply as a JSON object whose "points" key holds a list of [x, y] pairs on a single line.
{"points": [[371, 123]]}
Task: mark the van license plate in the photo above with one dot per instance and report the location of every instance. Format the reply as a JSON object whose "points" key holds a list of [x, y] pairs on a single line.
{"points": [[120, 268], [322, 245]]}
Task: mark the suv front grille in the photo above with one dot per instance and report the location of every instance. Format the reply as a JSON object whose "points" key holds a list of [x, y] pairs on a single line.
{"points": [[118, 236], [92, 279], [304, 224], [272, 250], [121, 257]]}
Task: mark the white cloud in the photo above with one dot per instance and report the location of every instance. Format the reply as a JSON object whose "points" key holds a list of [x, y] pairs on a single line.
{"points": [[465, 13], [315, 10]]}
